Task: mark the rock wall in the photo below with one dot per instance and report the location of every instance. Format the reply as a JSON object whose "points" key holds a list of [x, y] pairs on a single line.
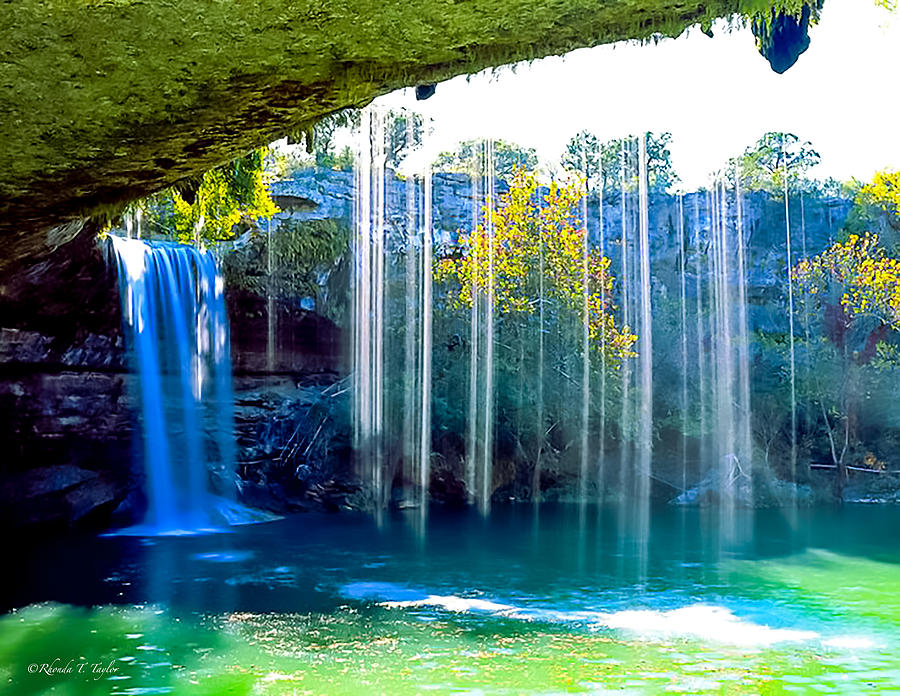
{"points": [[67, 416], [69, 426]]}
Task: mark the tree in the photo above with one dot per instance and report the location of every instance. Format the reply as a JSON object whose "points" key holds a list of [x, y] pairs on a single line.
{"points": [[776, 158], [855, 286], [321, 139], [602, 165], [528, 234], [403, 131], [857, 275], [584, 154], [507, 158], [210, 207], [883, 192]]}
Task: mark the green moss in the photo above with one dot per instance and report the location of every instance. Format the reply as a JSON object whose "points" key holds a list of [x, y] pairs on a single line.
{"points": [[107, 101], [301, 250]]}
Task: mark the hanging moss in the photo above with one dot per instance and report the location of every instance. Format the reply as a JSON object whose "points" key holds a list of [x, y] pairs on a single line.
{"points": [[782, 32], [108, 101]]}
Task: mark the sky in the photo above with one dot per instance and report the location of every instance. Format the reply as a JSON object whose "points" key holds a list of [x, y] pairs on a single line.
{"points": [[716, 95]]}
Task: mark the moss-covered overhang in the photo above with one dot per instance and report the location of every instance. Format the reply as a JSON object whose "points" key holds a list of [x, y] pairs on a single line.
{"points": [[107, 100]]}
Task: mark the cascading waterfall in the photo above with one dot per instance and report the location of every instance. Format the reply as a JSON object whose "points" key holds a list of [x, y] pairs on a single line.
{"points": [[601, 459], [645, 361], [701, 363], [392, 367], [730, 447], [682, 268], [481, 398], [745, 440], [384, 411], [482, 387], [176, 327], [270, 300], [585, 340], [625, 415], [474, 347], [539, 397], [368, 303], [790, 284]]}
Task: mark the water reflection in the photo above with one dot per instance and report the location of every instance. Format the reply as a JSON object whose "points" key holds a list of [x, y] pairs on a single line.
{"points": [[467, 602]]}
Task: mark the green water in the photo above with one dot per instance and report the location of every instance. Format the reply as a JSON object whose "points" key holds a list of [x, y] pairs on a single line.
{"points": [[560, 601]]}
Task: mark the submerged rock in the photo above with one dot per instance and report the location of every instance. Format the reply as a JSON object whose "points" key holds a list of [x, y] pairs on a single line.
{"points": [[757, 490]]}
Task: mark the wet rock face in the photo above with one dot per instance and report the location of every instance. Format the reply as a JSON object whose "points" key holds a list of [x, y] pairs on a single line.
{"points": [[66, 414], [69, 423], [302, 341], [60, 496]]}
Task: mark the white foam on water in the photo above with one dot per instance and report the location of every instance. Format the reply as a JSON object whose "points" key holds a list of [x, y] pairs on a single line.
{"points": [[705, 622], [849, 642], [454, 604]]}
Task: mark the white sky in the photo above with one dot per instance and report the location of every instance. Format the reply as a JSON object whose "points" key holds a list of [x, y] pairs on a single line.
{"points": [[716, 96]]}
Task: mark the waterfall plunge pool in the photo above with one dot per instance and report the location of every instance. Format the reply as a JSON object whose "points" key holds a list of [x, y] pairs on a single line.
{"points": [[554, 599]]}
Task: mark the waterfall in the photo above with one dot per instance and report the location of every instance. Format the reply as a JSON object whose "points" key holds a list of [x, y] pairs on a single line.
{"points": [[701, 364], [368, 304], [684, 338], [480, 424], [725, 428], [601, 472], [539, 396], [790, 284], [645, 359], [270, 300], [585, 336], [176, 327], [625, 416], [392, 267], [474, 347], [745, 439], [487, 465]]}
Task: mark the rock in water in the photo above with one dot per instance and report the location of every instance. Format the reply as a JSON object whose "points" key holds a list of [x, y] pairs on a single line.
{"points": [[782, 37]]}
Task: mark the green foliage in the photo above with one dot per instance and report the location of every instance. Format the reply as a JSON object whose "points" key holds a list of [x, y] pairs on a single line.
{"points": [[603, 165], [859, 275], [775, 160], [883, 192], [530, 242], [584, 154], [404, 131], [507, 158], [300, 250], [321, 140], [209, 209], [763, 19]]}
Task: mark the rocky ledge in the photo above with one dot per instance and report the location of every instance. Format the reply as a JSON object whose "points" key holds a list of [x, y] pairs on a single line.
{"points": [[105, 102]]}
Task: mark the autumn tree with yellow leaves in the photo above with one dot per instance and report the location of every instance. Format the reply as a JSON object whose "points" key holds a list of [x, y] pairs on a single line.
{"points": [[855, 287], [530, 242]]}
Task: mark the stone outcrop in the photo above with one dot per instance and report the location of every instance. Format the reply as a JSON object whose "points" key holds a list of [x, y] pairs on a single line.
{"points": [[104, 102]]}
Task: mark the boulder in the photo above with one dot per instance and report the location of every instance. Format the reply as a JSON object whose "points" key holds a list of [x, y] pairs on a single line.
{"points": [[60, 496]]}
